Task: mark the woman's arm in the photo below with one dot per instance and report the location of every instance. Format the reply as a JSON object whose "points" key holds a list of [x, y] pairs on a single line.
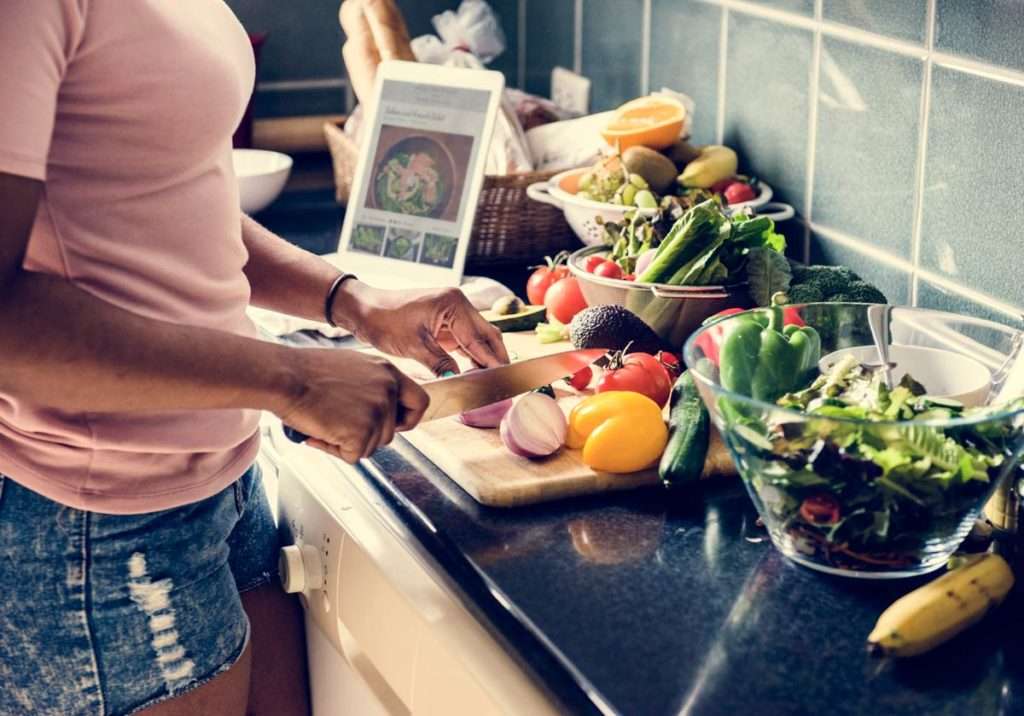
{"points": [[67, 349], [422, 325]]}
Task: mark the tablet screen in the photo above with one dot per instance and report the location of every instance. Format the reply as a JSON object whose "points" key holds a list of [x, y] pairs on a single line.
{"points": [[415, 195]]}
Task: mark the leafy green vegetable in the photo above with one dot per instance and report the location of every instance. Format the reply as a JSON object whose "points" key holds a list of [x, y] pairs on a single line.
{"points": [[768, 273]]}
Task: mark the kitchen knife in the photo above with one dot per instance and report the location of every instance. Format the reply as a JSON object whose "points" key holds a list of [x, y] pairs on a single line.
{"points": [[475, 389]]}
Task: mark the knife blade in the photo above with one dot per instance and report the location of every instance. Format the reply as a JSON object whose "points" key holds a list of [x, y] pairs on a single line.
{"points": [[466, 391]]}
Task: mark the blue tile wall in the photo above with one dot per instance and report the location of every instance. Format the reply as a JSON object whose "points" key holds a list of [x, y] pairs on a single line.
{"points": [[831, 108], [612, 52], [903, 19], [549, 41], [989, 30], [766, 103], [680, 31], [866, 155], [970, 233]]}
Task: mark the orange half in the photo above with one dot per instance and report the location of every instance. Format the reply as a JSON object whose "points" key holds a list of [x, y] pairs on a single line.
{"points": [[654, 122]]}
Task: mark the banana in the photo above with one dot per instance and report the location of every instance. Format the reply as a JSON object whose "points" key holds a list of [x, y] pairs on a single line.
{"points": [[714, 164], [941, 609]]}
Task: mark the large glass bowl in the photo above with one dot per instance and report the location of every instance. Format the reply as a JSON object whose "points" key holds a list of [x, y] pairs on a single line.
{"points": [[825, 504]]}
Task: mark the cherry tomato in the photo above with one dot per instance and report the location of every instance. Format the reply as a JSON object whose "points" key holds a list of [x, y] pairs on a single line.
{"points": [[738, 192], [670, 361], [593, 262], [608, 269], [543, 278], [821, 509], [581, 378], [565, 299], [719, 187], [637, 373]]}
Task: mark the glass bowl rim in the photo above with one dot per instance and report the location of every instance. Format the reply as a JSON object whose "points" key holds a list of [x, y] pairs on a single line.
{"points": [[718, 389]]}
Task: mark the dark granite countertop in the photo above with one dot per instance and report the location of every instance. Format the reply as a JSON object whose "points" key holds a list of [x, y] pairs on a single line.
{"points": [[649, 603]]}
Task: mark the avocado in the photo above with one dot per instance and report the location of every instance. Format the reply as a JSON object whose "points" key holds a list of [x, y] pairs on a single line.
{"points": [[524, 320], [613, 328], [657, 169]]}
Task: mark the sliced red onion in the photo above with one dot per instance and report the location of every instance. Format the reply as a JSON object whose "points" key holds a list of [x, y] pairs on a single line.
{"points": [[534, 427], [488, 416], [644, 261]]}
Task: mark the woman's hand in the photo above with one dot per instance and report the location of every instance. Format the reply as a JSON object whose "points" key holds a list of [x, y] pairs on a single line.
{"points": [[349, 403], [420, 324]]}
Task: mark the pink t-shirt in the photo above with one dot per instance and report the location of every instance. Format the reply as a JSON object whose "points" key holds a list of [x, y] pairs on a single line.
{"points": [[125, 110]]}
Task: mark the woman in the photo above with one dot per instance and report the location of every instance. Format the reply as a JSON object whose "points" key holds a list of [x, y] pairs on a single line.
{"points": [[136, 547]]}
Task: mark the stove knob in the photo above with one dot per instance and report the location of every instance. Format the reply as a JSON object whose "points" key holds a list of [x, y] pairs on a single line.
{"points": [[300, 568]]}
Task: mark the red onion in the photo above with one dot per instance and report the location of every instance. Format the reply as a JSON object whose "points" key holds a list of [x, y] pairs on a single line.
{"points": [[644, 261], [488, 416], [534, 427]]}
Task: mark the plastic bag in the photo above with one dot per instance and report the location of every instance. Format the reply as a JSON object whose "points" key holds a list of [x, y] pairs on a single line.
{"points": [[473, 28]]}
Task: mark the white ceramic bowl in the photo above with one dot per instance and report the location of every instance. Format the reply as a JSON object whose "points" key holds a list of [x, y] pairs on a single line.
{"points": [[946, 374], [261, 176], [582, 214]]}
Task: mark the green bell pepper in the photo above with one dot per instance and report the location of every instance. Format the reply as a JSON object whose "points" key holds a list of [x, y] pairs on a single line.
{"points": [[764, 359]]}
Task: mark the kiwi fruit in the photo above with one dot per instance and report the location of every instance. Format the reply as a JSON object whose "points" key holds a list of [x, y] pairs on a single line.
{"points": [[682, 153], [656, 168]]}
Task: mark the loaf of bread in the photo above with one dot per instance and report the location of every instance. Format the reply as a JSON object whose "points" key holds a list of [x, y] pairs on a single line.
{"points": [[375, 31]]}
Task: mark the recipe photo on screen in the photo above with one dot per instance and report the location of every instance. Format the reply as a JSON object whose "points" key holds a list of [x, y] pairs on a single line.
{"points": [[413, 202]]}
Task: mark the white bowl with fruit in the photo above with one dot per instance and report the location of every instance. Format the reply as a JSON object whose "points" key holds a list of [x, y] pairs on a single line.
{"points": [[650, 170]]}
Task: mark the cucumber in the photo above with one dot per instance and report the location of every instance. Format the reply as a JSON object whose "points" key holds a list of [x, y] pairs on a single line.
{"points": [[689, 435]]}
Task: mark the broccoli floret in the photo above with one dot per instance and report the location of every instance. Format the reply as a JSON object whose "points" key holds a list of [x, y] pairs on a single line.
{"points": [[804, 293], [860, 292]]}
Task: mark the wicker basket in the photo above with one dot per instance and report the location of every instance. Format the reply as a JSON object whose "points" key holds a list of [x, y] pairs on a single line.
{"points": [[510, 229]]}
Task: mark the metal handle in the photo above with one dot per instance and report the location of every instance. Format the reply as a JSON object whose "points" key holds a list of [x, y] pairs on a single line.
{"points": [[539, 191], [683, 292], [776, 211]]}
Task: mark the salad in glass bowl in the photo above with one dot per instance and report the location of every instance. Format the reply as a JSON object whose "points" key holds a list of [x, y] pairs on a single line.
{"points": [[850, 474]]}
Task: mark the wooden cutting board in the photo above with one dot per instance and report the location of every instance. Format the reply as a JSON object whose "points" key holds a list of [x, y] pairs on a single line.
{"points": [[478, 462]]}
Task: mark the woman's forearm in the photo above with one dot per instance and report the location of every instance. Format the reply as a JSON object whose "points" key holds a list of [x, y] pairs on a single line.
{"points": [[69, 350]]}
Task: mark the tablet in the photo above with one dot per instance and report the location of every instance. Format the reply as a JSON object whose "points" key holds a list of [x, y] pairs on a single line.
{"points": [[419, 174]]}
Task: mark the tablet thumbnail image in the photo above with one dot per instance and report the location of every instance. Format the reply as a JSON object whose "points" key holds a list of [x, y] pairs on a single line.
{"points": [[439, 250], [418, 172], [403, 244], [368, 239]]}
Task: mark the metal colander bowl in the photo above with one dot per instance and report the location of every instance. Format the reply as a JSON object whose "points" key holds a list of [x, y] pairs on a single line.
{"points": [[673, 312]]}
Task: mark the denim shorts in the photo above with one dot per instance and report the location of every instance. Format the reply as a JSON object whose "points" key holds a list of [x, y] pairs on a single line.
{"points": [[109, 614]]}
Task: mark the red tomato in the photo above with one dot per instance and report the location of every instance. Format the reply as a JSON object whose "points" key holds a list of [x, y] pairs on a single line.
{"points": [[581, 378], [670, 361], [820, 509], [791, 317], [719, 187], [542, 279], [608, 269], [738, 192], [629, 277], [565, 299], [638, 373], [593, 262]]}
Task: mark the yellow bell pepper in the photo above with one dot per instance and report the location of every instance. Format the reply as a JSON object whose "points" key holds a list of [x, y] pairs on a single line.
{"points": [[619, 431]]}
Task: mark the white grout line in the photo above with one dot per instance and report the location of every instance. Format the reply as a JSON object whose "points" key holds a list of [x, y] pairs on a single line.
{"points": [[300, 85], [723, 58], [768, 13], [922, 151], [645, 49], [970, 294], [812, 128], [863, 248], [521, 49], [871, 39], [577, 38], [979, 69]]}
